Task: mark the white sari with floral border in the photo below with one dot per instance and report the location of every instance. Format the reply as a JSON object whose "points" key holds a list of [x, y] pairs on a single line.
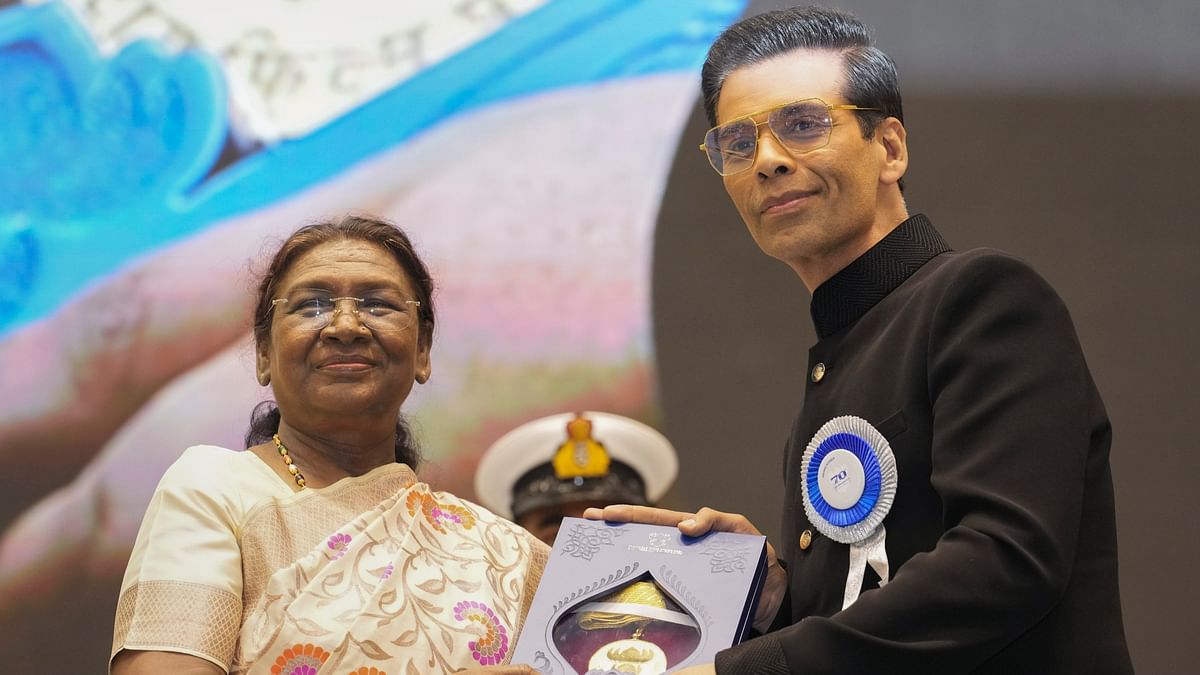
{"points": [[374, 574]]}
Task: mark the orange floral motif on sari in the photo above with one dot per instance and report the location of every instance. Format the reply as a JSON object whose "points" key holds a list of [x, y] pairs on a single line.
{"points": [[300, 659], [438, 514], [491, 648]]}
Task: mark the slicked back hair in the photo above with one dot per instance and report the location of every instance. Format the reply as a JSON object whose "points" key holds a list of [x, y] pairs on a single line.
{"points": [[869, 75]]}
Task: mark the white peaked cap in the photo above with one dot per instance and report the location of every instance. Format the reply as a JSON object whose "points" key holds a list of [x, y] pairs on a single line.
{"points": [[637, 445]]}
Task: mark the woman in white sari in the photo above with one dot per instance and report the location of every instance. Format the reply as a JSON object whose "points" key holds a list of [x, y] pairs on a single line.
{"points": [[317, 550]]}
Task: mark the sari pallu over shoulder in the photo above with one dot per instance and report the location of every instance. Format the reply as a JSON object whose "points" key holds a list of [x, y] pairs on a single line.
{"points": [[378, 571]]}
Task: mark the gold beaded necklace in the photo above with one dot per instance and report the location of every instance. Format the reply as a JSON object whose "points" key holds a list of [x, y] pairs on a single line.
{"points": [[287, 460]]}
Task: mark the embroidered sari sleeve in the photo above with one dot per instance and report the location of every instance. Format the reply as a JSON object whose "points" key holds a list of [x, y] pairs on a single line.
{"points": [[183, 587], [539, 554]]}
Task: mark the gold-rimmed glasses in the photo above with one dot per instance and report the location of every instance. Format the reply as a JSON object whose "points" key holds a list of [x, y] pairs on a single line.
{"points": [[800, 126], [380, 310]]}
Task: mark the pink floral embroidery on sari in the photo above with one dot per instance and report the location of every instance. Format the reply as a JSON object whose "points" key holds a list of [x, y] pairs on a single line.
{"points": [[492, 647], [339, 542]]}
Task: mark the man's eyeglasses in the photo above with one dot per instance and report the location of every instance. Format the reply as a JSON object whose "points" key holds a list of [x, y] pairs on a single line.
{"points": [[800, 126], [313, 309]]}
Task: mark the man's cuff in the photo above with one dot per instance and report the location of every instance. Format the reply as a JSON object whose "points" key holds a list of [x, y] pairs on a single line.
{"points": [[761, 655]]}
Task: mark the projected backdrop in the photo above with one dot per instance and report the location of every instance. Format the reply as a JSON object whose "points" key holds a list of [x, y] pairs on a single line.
{"points": [[153, 152]]}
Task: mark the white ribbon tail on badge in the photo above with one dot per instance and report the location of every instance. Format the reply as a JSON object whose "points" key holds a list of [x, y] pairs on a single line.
{"points": [[870, 552], [848, 479]]}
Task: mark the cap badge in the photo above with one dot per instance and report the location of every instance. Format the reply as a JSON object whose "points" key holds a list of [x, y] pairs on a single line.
{"points": [[580, 456]]}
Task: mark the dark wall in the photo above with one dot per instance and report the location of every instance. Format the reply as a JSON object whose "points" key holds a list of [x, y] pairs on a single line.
{"points": [[1090, 184]]}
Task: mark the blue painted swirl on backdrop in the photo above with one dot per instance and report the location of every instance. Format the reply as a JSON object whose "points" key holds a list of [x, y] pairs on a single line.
{"points": [[95, 154], [104, 160]]}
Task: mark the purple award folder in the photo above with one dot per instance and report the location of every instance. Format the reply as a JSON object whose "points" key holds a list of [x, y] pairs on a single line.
{"points": [[631, 598]]}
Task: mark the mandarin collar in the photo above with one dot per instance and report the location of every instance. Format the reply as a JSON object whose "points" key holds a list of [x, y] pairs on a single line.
{"points": [[848, 295]]}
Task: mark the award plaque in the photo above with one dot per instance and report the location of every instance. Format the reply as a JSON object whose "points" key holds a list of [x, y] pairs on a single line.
{"points": [[646, 599]]}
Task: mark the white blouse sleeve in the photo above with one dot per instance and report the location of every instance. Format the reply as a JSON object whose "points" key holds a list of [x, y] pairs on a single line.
{"points": [[183, 587]]}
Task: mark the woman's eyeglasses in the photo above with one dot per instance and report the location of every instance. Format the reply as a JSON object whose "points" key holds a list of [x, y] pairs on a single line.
{"points": [[314, 309]]}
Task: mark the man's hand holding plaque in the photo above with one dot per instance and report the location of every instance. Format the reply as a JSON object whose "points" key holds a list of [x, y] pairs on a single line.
{"points": [[699, 524]]}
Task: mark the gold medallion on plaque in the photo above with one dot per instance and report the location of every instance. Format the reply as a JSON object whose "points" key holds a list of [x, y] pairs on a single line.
{"points": [[632, 654]]}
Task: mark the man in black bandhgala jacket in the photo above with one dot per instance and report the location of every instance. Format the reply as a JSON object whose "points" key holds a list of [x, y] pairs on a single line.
{"points": [[948, 499]]}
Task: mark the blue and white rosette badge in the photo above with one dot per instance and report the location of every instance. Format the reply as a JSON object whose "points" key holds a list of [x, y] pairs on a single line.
{"points": [[849, 485]]}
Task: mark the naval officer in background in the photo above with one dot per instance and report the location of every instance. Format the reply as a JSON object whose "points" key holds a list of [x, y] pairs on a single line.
{"points": [[558, 466]]}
